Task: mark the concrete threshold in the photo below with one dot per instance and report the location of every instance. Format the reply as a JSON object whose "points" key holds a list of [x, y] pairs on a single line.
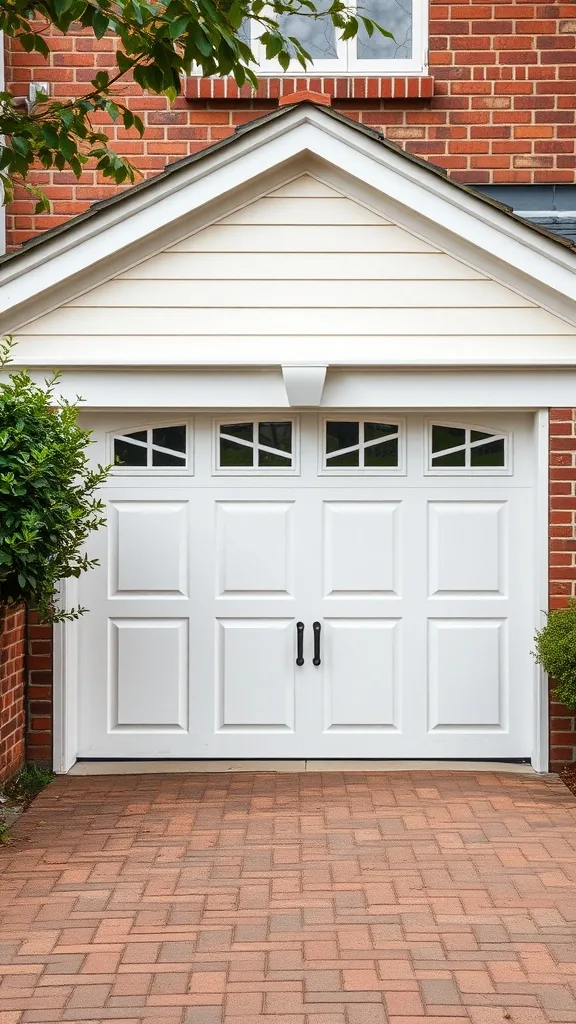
{"points": [[192, 767]]}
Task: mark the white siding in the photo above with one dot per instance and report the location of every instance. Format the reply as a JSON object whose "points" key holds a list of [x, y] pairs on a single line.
{"points": [[304, 262]]}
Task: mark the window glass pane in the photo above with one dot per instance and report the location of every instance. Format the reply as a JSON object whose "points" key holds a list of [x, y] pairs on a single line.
{"points": [[349, 459], [455, 459], [374, 430], [478, 435], [243, 430], [396, 17], [139, 435], [170, 437], [126, 454], [447, 437], [232, 454], [341, 435], [382, 455], [317, 35], [163, 459], [491, 454], [275, 435]]}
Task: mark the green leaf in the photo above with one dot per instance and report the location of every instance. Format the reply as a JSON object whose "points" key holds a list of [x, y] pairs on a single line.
{"points": [[100, 24]]}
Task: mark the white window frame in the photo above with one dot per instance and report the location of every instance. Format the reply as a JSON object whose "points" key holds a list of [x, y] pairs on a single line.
{"points": [[324, 468], [347, 64], [187, 469], [273, 417], [495, 435]]}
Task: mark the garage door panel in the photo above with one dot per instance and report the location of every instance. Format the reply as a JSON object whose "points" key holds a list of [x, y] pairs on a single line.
{"points": [[255, 676], [467, 674], [255, 548], [148, 674], [361, 674], [148, 548], [467, 548], [361, 548]]}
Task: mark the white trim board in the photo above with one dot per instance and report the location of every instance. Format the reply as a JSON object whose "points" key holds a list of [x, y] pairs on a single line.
{"points": [[265, 389]]}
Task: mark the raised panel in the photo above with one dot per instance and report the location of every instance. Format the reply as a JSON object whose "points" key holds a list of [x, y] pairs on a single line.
{"points": [[148, 674], [148, 542], [361, 666], [467, 548], [467, 674], [254, 548], [361, 548], [255, 675]]}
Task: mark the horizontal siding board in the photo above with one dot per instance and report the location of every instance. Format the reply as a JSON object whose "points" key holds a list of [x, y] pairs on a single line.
{"points": [[189, 266], [284, 211], [320, 294], [281, 321], [302, 238]]}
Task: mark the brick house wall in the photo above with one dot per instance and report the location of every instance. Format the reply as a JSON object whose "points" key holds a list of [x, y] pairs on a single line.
{"points": [[12, 657], [498, 107], [562, 558]]}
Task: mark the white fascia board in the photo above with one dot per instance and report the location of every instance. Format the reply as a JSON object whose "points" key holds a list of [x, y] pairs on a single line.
{"points": [[166, 351], [266, 147], [344, 389], [454, 389]]}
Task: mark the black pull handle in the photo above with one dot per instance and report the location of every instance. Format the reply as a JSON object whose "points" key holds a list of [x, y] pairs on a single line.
{"points": [[316, 627], [299, 643]]}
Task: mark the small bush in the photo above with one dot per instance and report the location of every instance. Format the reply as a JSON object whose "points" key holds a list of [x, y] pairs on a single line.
{"points": [[27, 783], [48, 492], [556, 652]]}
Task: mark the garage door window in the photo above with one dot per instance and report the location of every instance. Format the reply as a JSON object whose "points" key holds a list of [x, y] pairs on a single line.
{"points": [[161, 448], [456, 449], [256, 446], [361, 446]]}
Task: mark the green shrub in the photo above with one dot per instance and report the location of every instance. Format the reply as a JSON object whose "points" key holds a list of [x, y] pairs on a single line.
{"points": [[556, 652], [48, 506]]}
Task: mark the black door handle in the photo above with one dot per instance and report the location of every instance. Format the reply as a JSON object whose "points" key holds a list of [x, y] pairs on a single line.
{"points": [[316, 627], [299, 643]]}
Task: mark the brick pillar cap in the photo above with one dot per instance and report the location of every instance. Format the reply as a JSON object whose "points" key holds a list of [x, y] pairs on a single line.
{"points": [[322, 99]]}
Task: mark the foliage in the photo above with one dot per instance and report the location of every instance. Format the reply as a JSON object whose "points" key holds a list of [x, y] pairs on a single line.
{"points": [[158, 42], [18, 793], [48, 506], [556, 652], [27, 783]]}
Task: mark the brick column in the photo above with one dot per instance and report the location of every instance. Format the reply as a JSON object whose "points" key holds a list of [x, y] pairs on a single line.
{"points": [[562, 560], [12, 721], [39, 693]]}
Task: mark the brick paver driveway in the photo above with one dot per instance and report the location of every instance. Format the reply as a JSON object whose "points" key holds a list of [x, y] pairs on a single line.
{"points": [[292, 899]]}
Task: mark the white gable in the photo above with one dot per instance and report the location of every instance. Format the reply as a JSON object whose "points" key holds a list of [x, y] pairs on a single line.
{"points": [[303, 240], [302, 273]]}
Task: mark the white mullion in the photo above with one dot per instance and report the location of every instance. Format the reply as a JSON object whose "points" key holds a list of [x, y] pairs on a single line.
{"points": [[131, 440], [449, 451], [169, 451], [272, 451], [343, 451], [487, 440]]}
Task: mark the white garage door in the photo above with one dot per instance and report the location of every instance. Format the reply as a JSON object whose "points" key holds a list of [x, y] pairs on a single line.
{"points": [[345, 585]]}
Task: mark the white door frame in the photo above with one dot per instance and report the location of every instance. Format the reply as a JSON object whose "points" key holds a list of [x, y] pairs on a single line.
{"points": [[66, 654]]}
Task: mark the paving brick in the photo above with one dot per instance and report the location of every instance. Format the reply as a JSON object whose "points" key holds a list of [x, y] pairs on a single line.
{"points": [[403, 899]]}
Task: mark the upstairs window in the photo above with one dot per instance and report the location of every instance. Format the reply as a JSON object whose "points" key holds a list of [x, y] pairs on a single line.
{"points": [[363, 55]]}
